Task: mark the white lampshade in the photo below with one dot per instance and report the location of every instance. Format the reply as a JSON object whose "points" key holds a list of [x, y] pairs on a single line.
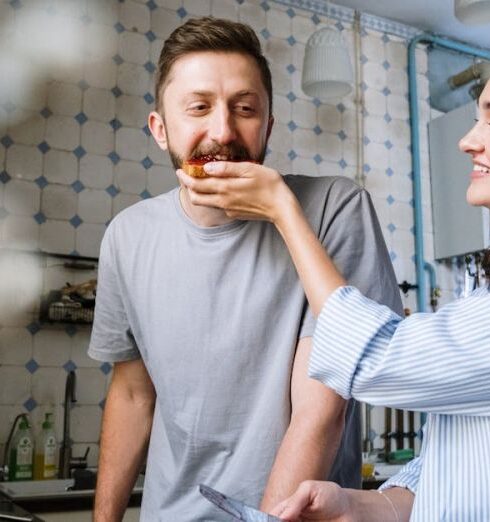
{"points": [[472, 12], [327, 71]]}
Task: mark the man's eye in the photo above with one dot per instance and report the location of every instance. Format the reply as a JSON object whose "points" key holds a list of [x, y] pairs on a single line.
{"points": [[245, 108], [198, 107]]}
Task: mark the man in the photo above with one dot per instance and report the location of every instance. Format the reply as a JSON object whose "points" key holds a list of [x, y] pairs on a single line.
{"points": [[204, 316]]}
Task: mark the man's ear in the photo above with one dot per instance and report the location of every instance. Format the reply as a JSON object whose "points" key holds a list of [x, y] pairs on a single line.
{"points": [[269, 126], [157, 129]]}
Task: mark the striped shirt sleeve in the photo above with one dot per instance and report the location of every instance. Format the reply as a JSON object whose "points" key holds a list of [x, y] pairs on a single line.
{"points": [[438, 363], [407, 477]]}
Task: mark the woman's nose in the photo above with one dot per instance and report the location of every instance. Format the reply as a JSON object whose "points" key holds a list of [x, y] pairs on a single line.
{"points": [[472, 142]]}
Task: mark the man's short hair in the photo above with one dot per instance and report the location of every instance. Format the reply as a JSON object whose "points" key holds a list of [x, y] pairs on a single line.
{"points": [[210, 34]]}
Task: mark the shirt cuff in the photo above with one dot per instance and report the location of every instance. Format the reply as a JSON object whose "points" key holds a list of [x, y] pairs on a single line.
{"points": [[403, 479]]}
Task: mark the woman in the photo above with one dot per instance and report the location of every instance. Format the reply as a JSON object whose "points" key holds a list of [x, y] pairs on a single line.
{"points": [[437, 363]]}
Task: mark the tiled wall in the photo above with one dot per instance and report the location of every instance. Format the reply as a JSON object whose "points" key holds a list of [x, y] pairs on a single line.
{"points": [[83, 153]]}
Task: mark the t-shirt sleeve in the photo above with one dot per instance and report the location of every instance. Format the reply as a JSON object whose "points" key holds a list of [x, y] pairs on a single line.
{"points": [[354, 241], [111, 339]]}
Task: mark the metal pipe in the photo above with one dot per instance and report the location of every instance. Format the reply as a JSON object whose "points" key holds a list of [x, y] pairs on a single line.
{"points": [[65, 449]]}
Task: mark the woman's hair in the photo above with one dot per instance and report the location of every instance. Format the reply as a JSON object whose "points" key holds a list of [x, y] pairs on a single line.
{"points": [[210, 34]]}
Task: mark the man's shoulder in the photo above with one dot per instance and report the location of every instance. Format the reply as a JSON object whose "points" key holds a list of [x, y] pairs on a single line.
{"points": [[337, 185]]}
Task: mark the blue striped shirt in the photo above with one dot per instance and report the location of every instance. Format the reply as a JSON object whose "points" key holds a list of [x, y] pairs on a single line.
{"points": [[438, 363]]}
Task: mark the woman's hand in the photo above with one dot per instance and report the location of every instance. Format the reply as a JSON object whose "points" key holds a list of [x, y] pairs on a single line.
{"points": [[315, 500], [243, 190]]}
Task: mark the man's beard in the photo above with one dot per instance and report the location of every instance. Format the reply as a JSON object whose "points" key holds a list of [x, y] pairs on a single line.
{"points": [[233, 152]]}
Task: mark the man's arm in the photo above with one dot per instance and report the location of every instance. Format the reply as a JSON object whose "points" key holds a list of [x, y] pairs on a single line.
{"points": [[310, 444], [126, 428]]}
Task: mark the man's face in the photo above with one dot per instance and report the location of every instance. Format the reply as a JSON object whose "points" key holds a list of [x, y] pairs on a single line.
{"points": [[477, 144], [215, 103]]}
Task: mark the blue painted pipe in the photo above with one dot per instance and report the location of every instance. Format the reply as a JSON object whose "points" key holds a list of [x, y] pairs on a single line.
{"points": [[420, 263]]}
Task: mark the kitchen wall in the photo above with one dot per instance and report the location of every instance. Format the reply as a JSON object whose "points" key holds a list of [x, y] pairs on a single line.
{"points": [[82, 153]]}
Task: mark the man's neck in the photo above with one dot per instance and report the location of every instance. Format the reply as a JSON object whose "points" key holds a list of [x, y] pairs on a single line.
{"points": [[202, 216]]}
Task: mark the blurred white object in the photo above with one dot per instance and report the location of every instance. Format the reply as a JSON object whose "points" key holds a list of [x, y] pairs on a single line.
{"points": [[327, 69], [472, 12]]}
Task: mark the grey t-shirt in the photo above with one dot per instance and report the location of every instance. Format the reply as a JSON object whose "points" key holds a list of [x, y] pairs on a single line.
{"points": [[216, 314]]}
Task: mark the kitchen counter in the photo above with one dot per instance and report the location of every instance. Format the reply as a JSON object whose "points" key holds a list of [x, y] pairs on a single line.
{"points": [[7, 507]]}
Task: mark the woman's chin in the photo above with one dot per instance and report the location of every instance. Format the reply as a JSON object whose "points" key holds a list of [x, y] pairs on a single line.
{"points": [[478, 193]]}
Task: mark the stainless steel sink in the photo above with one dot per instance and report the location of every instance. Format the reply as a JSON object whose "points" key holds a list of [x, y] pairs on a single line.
{"points": [[60, 488]]}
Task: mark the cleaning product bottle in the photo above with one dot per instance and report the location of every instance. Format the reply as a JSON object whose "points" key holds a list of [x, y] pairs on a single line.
{"points": [[45, 454], [21, 452]]}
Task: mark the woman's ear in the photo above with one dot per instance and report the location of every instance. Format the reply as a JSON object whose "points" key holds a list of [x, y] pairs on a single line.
{"points": [[157, 129]]}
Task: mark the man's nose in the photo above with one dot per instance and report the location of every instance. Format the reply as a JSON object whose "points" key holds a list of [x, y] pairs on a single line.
{"points": [[222, 126], [472, 142]]}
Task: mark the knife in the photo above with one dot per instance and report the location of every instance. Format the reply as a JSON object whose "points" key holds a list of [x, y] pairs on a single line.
{"points": [[237, 509]]}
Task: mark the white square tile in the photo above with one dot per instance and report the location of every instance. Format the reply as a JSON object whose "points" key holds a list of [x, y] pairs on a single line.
{"points": [[377, 156], [15, 384], [20, 232], [91, 384], [376, 182], [304, 114], [156, 50], [328, 146], [101, 74], [60, 167], [62, 132], [397, 54], [280, 140], [224, 9], [397, 80], [7, 414], [132, 111], [134, 47], [30, 129], [103, 12], [304, 166], [122, 201], [421, 59], [400, 160], [401, 214], [279, 24], [298, 52], [99, 104], [399, 133], [131, 144], [86, 421], [58, 202], [164, 21], [130, 177], [161, 179], [251, 13], [64, 98], [100, 42], [134, 79], [57, 237], [304, 142], [281, 79], [22, 197], [375, 102], [280, 162], [329, 168], [157, 155], [329, 118], [88, 238], [24, 162], [373, 47], [94, 206], [375, 128], [302, 27], [278, 52], [51, 347], [349, 152], [197, 7], [15, 346], [97, 137], [374, 75], [134, 16], [48, 385], [96, 171], [282, 109]]}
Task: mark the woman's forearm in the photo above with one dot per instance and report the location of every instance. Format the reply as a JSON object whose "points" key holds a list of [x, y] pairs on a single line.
{"points": [[316, 270]]}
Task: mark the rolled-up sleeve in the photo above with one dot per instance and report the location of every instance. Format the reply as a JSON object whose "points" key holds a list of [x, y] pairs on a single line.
{"points": [[407, 477]]}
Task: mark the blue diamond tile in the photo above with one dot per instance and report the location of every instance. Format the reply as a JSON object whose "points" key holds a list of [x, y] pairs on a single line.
{"points": [[77, 186], [292, 155], [291, 96], [39, 218], [393, 256], [410, 175], [106, 368], [342, 163], [3, 213], [390, 200], [76, 221], [71, 329], [386, 91], [150, 36], [145, 194], [117, 59], [151, 5], [291, 40], [33, 328], [364, 86], [112, 191], [70, 366], [366, 167], [265, 33], [31, 366], [83, 85], [44, 147], [365, 113], [317, 159], [16, 4], [386, 64], [316, 102], [339, 26], [115, 124], [366, 140], [315, 19], [81, 118], [149, 99], [8, 107], [119, 27], [6, 141], [265, 6], [340, 107], [363, 59], [146, 130], [102, 404], [150, 67], [291, 13], [342, 135], [364, 33], [387, 118], [46, 113], [385, 38], [4, 177], [290, 68], [292, 126], [388, 144], [41, 182], [182, 13], [317, 130], [412, 203], [267, 151], [116, 91], [114, 157], [79, 152], [391, 227], [389, 172], [30, 404], [147, 163]]}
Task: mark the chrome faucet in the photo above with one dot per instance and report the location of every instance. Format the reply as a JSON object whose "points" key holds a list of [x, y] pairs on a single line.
{"points": [[65, 448]]}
